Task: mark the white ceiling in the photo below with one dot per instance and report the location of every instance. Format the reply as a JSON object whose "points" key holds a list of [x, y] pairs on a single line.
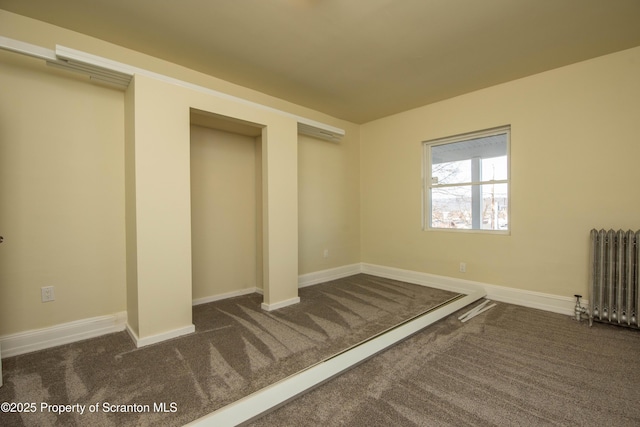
{"points": [[358, 60]]}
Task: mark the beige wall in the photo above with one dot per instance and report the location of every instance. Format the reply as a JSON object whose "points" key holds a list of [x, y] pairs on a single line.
{"points": [[161, 144], [329, 202], [223, 212], [131, 238], [279, 211], [162, 207], [574, 154], [62, 203], [79, 247], [61, 196]]}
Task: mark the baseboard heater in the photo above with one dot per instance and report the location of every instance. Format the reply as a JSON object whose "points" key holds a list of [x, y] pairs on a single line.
{"points": [[615, 267], [271, 397]]}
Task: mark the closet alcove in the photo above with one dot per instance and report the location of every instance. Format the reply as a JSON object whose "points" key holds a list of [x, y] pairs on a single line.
{"points": [[226, 206], [159, 117]]}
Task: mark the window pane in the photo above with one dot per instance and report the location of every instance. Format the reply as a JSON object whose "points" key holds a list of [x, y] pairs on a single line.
{"points": [[494, 168], [484, 147], [495, 202], [451, 172], [451, 207], [460, 183]]}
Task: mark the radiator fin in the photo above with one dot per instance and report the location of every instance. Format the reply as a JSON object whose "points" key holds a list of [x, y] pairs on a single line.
{"points": [[613, 279]]}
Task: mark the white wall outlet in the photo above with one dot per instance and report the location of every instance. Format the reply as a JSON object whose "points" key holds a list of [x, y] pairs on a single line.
{"points": [[326, 253], [48, 294], [463, 267]]}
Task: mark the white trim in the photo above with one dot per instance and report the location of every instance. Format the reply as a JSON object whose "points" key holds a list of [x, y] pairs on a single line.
{"points": [[76, 56], [329, 274], [154, 339], [272, 396], [305, 126], [27, 49], [425, 279], [119, 74], [281, 304], [542, 301], [64, 333], [205, 300], [547, 302], [428, 185], [40, 339]]}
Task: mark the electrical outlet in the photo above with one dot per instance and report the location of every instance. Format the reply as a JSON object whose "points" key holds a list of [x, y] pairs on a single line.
{"points": [[48, 294], [463, 267], [326, 253]]}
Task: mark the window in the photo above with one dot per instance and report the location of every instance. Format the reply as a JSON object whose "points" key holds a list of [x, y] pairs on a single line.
{"points": [[466, 181]]}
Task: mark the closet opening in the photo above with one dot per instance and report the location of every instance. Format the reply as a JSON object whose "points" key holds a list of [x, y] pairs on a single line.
{"points": [[226, 207]]}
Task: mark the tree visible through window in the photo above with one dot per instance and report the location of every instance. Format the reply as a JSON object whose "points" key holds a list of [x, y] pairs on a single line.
{"points": [[467, 181]]}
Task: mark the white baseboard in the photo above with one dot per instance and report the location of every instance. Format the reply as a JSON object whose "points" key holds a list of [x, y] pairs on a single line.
{"points": [[154, 339], [323, 276], [532, 299], [425, 279], [547, 302], [313, 279], [39, 339], [281, 304], [65, 333], [226, 295]]}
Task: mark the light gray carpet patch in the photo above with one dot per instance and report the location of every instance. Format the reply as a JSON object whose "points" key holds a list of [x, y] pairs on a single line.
{"points": [[352, 320], [331, 329], [225, 378], [394, 298], [362, 310], [76, 388], [294, 340], [277, 349], [257, 359], [195, 382], [314, 336], [29, 388], [374, 301]]}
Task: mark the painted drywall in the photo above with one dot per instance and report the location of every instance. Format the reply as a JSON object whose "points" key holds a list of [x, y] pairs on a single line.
{"points": [[61, 197], [223, 212], [160, 147], [329, 203], [163, 207], [279, 211], [259, 213], [574, 151], [131, 255], [97, 114], [48, 36]]}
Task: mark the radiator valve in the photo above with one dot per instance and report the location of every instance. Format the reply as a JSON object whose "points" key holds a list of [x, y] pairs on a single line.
{"points": [[579, 310]]}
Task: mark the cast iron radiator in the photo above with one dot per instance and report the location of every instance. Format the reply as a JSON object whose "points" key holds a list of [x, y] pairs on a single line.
{"points": [[615, 267]]}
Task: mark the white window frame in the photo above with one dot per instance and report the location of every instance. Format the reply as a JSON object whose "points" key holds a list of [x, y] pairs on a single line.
{"points": [[428, 185]]}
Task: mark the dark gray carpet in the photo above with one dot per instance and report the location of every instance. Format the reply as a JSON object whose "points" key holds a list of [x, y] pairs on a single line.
{"points": [[510, 366], [237, 349]]}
